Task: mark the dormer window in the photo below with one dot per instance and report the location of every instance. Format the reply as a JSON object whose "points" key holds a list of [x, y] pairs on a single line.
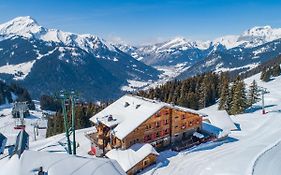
{"points": [[126, 104], [110, 118]]}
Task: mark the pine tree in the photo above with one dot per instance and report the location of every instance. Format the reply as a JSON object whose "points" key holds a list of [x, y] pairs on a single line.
{"points": [[192, 100], [253, 95], [239, 100], [276, 70], [202, 95], [265, 75], [224, 95]]}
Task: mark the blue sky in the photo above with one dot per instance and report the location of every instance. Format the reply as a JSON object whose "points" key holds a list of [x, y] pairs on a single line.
{"points": [[143, 21]]}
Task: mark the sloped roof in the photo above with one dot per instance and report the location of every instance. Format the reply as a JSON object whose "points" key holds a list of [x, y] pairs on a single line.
{"points": [[59, 163], [130, 157], [218, 132], [129, 111], [219, 118]]}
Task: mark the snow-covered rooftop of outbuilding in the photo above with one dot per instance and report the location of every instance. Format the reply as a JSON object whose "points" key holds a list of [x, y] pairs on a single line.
{"points": [[58, 164], [218, 132], [130, 157], [219, 118], [129, 111]]}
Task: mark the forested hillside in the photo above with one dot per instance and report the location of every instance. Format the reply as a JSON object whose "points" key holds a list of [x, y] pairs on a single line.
{"points": [[14, 92]]}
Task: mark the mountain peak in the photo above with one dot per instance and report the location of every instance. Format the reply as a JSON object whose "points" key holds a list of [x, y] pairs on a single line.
{"points": [[24, 20], [259, 31], [27, 27], [24, 26]]}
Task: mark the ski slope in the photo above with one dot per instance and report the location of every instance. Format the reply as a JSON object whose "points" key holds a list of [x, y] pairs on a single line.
{"points": [[254, 148]]}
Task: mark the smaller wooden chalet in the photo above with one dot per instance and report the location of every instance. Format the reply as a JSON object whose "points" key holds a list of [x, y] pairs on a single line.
{"points": [[133, 119], [135, 158]]}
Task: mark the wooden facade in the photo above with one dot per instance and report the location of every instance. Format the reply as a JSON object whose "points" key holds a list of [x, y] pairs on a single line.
{"points": [[166, 126], [147, 161]]}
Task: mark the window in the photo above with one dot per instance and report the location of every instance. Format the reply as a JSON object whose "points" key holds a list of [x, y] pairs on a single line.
{"points": [[147, 138], [157, 134], [176, 126], [183, 117], [176, 117], [157, 124], [183, 126], [145, 162], [166, 122], [166, 131], [190, 123]]}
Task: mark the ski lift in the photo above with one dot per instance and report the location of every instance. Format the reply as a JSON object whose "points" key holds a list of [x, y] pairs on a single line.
{"points": [[19, 124], [20, 107]]}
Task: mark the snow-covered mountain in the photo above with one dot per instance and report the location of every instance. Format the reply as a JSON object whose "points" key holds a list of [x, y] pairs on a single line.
{"points": [[47, 60], [250, 38], [253, 46], [29, 28]]}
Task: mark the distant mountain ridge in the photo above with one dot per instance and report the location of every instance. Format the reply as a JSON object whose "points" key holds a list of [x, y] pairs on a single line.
{"points": [[193, 57], [48, 60]]}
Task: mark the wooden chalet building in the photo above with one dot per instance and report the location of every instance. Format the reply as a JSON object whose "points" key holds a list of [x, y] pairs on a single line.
{"points": [[133, 119]]}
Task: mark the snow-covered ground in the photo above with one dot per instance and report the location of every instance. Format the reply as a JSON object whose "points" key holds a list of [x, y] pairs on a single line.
{"points": [[252, 149]]}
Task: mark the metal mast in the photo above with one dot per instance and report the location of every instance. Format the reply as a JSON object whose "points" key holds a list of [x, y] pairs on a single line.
{"points": [[263, 91], [72, 97], [63, 97]]}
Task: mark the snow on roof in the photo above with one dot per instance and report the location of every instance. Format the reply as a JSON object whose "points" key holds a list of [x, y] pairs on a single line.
{"points": [[218, 132], [58, 164], [219, 118], [130, 157], [129, 111]]}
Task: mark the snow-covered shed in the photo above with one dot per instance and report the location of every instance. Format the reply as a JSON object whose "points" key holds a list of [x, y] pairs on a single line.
{"points": [[219, 118], [58, 164], [215, 131], [134, 159]]}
